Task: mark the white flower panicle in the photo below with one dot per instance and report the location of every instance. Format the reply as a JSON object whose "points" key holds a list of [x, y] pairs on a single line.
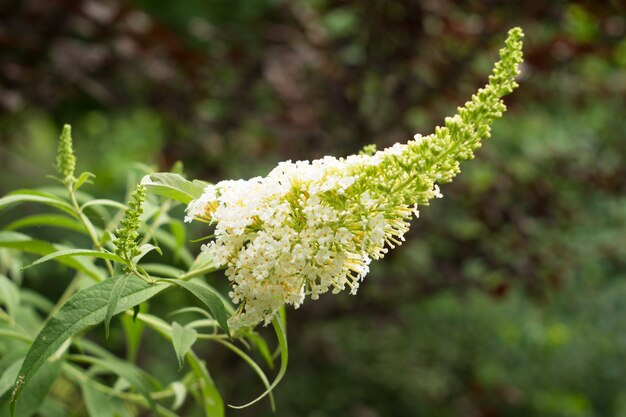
{"points": [[312, 227]]}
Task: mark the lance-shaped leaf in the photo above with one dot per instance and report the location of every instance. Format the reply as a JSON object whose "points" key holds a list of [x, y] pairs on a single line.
{"points": [[281, 335], [183, 339], [77, 252], [140, 380], [32, 196], [86, 308], [35, 394], [9, 295], [211, 400], [25, 243], [173, 186], [52, 220], [209, 298], [99, 404], [114, 298]]}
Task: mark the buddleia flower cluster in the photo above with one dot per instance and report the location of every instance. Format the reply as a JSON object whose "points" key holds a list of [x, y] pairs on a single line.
{"points": [[312, 227]]}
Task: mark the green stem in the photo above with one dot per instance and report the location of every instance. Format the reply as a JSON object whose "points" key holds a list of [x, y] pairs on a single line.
{"points": [[81, 377], [88, 226]]}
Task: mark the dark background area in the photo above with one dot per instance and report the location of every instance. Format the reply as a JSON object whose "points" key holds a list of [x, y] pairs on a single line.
{"points": [[507, 298]]}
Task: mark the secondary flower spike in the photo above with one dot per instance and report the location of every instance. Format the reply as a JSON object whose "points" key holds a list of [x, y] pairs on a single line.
{"points": [[310, 227]]}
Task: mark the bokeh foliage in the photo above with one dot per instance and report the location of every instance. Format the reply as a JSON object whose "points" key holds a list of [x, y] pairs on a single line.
{"points": [[507, 297]]}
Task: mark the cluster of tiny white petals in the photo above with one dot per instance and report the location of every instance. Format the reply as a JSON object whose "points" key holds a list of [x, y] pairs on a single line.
{"points": [[305, 229]]}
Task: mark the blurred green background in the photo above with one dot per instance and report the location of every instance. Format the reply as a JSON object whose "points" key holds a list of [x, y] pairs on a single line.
{"points": [[507, 298]]}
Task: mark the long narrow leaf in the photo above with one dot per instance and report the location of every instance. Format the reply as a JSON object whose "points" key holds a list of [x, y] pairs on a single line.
{"points": [[173, 186], [180, 394], [31, 196], [212, 402], [257, 369], [99, 404], [37, 390], [83, 178], [9, 295], [104, 202], [114, 298], [86, 308], [8, 376], [52, 220], [77, 252], [25, 243], [136, 377], [264, 350], [281, 335], [168, 240], [133, 333], [209, 298], [14, 334]]}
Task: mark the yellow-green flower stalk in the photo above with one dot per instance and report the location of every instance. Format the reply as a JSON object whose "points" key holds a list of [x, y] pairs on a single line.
{"points": [[310, 227], [127, 232]]}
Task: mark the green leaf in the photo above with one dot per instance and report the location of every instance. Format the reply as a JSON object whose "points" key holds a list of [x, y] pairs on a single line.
{"points": [[256, 368], [32, 196], [202, 265], [77, 252], [104, 202], [211, 402], [9, 375], [98, 404], [167, 240], [178, 230], [144, 250], [106, 237], [183, 339], [35, 393], [136, 377], [53, 220], [204, 261], [114, 298], [133, 330], [162, 270], [83, 178], [209, 298], [173, 186], [164, 412], [25, 243], [36, 300], [86, 308], [185, 310], [281, 335], [51, 407], [261, 344], [14, 334], [10, 295], [180, 394]]}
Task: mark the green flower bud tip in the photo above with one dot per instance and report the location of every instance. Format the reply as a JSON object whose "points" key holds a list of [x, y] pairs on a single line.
{"points": [[368, 150], [127, 233], [66, 161]]}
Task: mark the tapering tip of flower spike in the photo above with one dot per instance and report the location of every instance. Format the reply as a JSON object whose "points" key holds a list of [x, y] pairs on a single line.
{"points": [[128, 230], [66, 161], [312, 227]]}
